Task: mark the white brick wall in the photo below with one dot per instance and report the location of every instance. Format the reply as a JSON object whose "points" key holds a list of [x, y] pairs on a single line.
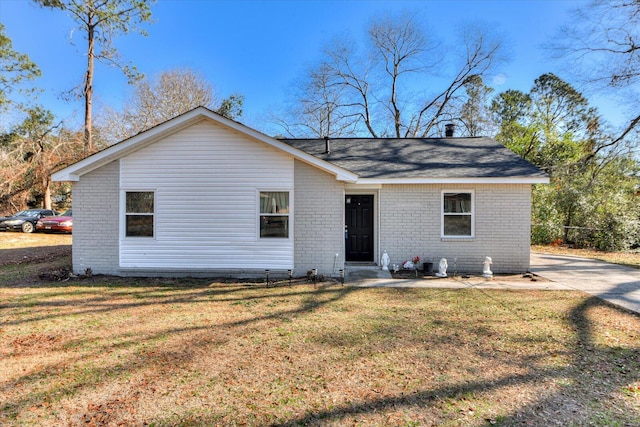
{"points": [[95, 221], [410, 225], [319, 221]]}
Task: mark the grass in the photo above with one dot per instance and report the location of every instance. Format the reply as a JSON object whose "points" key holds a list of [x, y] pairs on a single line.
{"points": [[186, 352]]}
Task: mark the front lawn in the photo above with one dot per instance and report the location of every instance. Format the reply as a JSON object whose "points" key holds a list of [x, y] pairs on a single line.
{"points": [[109, 351]]}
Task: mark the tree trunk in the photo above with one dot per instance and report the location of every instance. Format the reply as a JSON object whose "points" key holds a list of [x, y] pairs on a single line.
{"points": [[567, 225], [88, 88], [46, 197]]}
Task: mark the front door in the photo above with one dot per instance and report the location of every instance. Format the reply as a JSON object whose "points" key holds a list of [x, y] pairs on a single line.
{"points": [[358, 231]]}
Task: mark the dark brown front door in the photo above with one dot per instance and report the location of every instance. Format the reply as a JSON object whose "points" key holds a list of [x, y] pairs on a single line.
{"points": [[359, 228]]}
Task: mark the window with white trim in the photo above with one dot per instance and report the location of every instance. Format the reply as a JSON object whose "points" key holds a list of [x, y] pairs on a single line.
{"points": [[457, 214], [274, 214], [139, 213]]}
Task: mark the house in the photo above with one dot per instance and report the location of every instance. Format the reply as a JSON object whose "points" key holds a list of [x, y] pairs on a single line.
{"points": [[204, 195]]}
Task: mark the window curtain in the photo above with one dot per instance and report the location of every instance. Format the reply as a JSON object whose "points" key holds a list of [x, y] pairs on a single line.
{"points": [[458, 203], [274, 202]]}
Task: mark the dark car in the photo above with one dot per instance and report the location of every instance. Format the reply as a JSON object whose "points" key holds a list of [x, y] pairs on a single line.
{"points": [[61, 224], [25, 220]]}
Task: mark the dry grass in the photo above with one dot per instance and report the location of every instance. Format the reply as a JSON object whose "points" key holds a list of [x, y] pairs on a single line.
{"points": [[16, 240], [160, 352]]}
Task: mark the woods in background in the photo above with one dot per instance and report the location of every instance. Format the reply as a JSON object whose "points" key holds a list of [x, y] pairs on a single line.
{"points": [[397, 81]]}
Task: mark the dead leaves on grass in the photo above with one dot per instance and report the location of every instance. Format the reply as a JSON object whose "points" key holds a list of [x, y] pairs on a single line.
{"points": [[223, 355], [35, 343]]}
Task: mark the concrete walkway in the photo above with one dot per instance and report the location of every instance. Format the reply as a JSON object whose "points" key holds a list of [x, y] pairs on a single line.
{"points": [[615, 283]]}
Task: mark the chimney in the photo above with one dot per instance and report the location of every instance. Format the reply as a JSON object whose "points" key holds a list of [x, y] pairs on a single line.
{"points": [[449, 129], [327, 145]]}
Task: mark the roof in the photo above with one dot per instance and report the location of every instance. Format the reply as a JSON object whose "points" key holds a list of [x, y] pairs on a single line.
{"points": [[353, 160], [428, 160], [143, 139]]}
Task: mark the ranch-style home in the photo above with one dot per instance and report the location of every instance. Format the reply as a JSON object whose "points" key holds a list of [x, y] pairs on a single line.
{"points": [[202, 195]]}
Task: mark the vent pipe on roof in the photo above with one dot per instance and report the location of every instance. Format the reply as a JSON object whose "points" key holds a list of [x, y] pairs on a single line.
{"points": [[327, 145], [449, 128]]}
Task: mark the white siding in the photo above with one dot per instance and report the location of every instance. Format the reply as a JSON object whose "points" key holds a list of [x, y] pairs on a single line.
{"points": [[207, 180]]}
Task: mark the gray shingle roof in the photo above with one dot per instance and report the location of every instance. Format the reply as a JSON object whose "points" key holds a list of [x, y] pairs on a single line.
{"points": [[384, 158]]}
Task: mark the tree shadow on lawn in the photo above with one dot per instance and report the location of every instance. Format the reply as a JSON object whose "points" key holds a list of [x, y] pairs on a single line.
{"points": [[205, 295], [148, 291], [576, 402], [590, 383]]}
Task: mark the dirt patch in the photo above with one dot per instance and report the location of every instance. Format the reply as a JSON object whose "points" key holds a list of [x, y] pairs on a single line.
{"points": [[35, 254]]}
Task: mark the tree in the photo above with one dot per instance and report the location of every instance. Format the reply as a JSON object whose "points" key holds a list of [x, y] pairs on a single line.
{"points": [[15, 67], [318, 108], [231, 107], [391, 86], [551, 126], [591, 198], [474, 112], [603, 45], [31, 151], [101, 21], [157, 100]]}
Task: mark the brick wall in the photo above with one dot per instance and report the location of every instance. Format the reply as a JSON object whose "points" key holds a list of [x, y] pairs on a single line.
{"points": [[319, 221], [95, 221], [411, 220]]}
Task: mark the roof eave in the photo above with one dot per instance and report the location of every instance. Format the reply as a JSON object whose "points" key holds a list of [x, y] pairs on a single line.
{"points": [[121, 149], [454, 180]]}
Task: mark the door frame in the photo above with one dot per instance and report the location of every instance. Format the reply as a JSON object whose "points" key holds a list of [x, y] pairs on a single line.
{"points": [[376, 219]]}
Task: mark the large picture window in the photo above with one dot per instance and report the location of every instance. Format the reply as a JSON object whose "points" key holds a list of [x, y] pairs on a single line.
{"points": [[274, 214], [457, 214], [139, 213]]}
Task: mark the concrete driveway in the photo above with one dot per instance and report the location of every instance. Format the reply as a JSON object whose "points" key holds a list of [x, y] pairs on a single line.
{"points": [[617, 284]]}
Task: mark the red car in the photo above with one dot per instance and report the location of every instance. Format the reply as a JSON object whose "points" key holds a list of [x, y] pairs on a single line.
{"points": [[62, 223]]}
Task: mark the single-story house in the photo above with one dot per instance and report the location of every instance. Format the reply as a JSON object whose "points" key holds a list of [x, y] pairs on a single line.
{"points": [[204, 195]]}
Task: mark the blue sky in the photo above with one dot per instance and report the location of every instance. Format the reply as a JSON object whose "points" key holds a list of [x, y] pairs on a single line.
{"points": [[257, 48]]}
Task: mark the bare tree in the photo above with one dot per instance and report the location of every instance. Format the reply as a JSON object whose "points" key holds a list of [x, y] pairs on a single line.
{"points": [[399, 45], [392, 87], [157, 100], [480, 53], [101, 21], [602, 46], [316, 110]]}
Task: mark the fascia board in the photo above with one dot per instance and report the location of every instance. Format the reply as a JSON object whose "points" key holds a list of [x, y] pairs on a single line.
{"points": [[496, 180]]}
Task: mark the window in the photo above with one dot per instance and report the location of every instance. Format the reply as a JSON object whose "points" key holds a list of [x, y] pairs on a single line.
{"points": [[139, 213], [457, 214], [274, 214]]}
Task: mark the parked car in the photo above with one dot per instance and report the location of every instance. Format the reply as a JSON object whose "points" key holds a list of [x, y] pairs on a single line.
{"points": [[62, 223], [25, 220]]}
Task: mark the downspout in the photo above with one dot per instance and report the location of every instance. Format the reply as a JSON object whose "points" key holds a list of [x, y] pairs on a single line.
{"points": [[379, 231]]}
